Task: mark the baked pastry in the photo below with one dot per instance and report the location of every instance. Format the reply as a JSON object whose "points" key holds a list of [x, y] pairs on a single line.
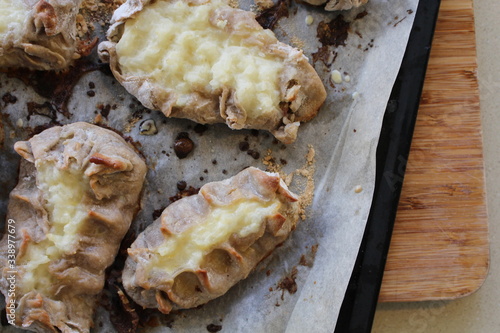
{"points": [[206, 61], [38, 34], [203, 244], [78, 190], [332, 5]]}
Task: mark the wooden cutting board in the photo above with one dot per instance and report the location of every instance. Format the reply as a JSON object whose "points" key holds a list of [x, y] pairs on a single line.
{"points": [[439, 248]]}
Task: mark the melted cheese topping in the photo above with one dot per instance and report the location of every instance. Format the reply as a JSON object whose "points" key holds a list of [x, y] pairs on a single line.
{"points": [[186, 250], [63, 192], [13, 14], [173, 43]]}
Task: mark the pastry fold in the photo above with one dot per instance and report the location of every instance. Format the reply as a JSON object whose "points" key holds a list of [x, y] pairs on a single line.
{"points": [[38, 34], [79, 188], [204, 244]]}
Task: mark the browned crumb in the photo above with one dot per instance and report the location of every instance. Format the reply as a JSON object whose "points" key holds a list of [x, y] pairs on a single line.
{"points": [[288, 283], [124, 317], [234, 3], [127, 306], [130, 124], [271, 164], [305, 181], [95, 12], [98, 119], [101, 8], [297, 42], [91, 14], [184, 193], [310, 155], [307, 172], [81, 26], [308, 258], [264, 4], [303, 261]]}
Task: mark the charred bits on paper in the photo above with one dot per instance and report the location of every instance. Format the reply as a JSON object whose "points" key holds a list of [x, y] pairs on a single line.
{"points": [[270, 16], [333, 34]]}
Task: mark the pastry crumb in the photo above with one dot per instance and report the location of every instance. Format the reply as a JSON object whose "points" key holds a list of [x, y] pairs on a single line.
{"points": [[297, 42], [264, 4], [289, 179], [271, 165], [288, 283], [307, 172], [234, 3], [98, 119], [81, 26], [130, 124], [311, 153], [302, 178]]}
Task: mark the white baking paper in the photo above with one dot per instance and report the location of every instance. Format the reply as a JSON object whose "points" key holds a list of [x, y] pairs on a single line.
{"points": [[344, 137]]}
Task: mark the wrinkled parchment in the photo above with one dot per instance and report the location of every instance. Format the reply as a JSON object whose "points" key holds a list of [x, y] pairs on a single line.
{"points": [[344, 137]]}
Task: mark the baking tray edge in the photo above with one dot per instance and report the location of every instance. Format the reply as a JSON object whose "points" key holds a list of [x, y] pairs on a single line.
{"points": [[360, 301]]}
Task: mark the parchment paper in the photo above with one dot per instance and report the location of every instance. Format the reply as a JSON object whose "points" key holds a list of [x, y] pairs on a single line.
{"points": [[344, 137]]}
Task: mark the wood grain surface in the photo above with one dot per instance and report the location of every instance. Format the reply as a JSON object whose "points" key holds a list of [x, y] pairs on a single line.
{"points": [[439, 248]]}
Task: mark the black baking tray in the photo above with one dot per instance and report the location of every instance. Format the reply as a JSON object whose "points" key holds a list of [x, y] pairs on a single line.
{"points": [[360, 301]]}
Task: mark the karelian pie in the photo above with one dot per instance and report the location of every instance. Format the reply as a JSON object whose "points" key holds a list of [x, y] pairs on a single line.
{"points": [[79, 188], [38, 34], [209, 62], [203, 244]]}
